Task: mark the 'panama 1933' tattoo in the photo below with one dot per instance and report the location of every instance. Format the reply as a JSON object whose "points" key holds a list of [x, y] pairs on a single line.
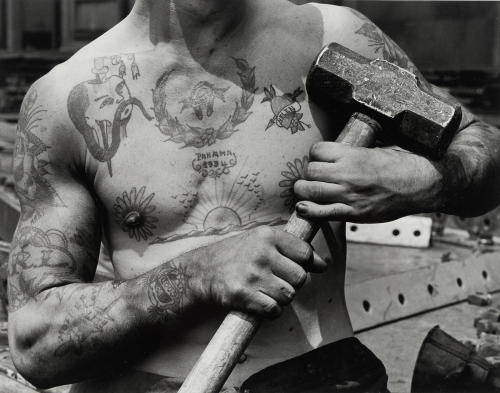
{"points": [[202, 99], [286, 109], [31, 164], [214, 163], [101, 108], [134, 213]]}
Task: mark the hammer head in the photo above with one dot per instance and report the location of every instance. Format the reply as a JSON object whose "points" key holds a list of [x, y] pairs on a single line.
{"points": [[410, 116]]}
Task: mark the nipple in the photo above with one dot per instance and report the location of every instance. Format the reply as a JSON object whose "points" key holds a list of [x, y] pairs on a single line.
{"points": [[133, 219]]}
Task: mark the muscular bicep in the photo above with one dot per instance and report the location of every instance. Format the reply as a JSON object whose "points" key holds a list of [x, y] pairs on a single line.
{"points": [[58, 235]]}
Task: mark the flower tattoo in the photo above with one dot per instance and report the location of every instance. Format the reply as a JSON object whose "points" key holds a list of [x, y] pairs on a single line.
{"points": [[134, 213], [295, 172]]}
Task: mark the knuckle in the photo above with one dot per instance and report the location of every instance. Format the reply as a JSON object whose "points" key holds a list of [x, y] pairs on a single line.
{"points": [[299, 187], [264, 232], [315, 191], [307, 253], [300, 278], [311, 170], [288, 294], [264, 256], [238, 293], [315, 150], [272, 309], [225, 301], [253, 277]]}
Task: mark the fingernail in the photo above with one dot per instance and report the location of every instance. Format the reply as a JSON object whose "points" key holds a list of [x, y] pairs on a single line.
{"points": [[301, 208]]}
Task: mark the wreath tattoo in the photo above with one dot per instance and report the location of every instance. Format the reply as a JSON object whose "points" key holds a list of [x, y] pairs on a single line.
{"points": [[198, 136]]}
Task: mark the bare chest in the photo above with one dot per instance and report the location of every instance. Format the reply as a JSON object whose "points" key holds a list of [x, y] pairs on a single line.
{"points": [[184, 155]]}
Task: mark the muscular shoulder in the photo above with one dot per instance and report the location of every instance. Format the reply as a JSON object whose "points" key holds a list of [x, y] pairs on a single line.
{"points": [[354, 30], [43, 121]]}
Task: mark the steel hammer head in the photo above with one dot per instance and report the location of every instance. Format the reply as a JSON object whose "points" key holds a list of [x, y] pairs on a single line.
{"points": [[410, 116]]}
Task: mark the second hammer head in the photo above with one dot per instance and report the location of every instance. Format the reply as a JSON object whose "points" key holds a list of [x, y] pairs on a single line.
{"points": [[411, 116]]}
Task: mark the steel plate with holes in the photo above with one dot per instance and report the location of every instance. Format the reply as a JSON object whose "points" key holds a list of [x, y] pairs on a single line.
{"points": [[384, 284]]}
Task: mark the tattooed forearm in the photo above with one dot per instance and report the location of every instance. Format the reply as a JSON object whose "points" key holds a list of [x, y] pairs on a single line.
{"points": [[471, 171], [167, 289], [88, 320], [84, 329]]}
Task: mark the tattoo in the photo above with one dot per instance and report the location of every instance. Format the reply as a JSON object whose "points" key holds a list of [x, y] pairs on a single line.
{"points": [[467, 169], [215, 163], [89, 243], [296, 171], [286, 109], [39, 259], [31, 161], [87, 320], [202, 97], [102, 107], [382, 44], [134, 213], [220, 207], [167, 290], [387, 48]]}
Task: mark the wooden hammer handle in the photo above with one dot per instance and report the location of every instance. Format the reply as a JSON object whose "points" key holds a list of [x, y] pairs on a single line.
{"points": [[236, 331]]}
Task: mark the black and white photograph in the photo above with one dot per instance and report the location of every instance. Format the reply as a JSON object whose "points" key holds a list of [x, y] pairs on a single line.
{"points": [[249, 196]]}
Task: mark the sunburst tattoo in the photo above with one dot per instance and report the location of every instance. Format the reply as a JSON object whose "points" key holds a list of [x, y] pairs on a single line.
{"points": [[134, 213], [296, 171]]}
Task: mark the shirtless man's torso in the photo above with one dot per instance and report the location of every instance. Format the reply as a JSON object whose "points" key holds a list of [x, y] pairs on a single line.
{"points": [[176, 129]]}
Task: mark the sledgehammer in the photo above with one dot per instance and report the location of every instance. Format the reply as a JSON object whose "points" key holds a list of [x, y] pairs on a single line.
{"points": [[383, 98]]}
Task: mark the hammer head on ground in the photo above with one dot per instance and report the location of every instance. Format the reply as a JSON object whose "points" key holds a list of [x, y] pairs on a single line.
{"points": [[410, 116]]}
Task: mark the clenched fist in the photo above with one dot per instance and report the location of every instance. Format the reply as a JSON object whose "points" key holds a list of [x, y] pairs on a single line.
{"points": [[257, 271], [358, 184]]}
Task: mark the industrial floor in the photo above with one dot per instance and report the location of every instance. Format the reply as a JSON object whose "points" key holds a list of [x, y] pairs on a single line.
{"points": [[397, 344]]}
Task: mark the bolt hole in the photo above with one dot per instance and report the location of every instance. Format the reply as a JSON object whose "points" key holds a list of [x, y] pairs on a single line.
{"points": [[487, 222], [416, 233], [401, 298], [485, 274], [395, 232], [459, 282], [366, 305], [354, 228], [430, 289]]}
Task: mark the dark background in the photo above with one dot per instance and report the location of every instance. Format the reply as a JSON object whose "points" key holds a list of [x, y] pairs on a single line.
{"points": [[455, 44]]}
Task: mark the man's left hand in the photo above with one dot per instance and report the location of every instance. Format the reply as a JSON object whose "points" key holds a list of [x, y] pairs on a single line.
{"points": [[356, 184]]}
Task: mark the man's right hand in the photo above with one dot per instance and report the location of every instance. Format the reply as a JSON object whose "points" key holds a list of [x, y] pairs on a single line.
{"points": [[257, 271]]}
